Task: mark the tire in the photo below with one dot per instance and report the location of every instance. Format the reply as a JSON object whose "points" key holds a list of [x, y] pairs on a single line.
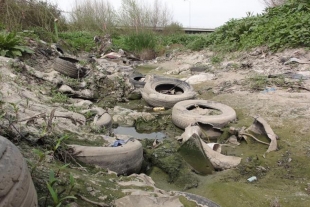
{"points": [[123, 160], [182, 116], [154, 84], [135, 80], [16, 186], [66, 66]]}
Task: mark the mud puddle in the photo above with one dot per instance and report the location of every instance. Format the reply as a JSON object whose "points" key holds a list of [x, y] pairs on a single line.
{"points": [[131, 131]]}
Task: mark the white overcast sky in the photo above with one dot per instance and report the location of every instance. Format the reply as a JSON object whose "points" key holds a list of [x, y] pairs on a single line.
{"points": [[195, 13]]}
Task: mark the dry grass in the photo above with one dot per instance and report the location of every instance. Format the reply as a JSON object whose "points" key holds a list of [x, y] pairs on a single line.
{"points": [[25, 14]]}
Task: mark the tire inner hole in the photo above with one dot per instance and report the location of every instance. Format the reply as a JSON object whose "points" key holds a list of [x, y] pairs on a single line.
{"points": [[140, 79], [169, 89], [203, 110]]}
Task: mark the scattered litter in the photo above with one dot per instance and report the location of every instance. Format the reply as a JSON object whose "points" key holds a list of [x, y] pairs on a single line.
{"points": [[159, 109], [253, 178], [290, 75], [267, 90], [296, 60]]}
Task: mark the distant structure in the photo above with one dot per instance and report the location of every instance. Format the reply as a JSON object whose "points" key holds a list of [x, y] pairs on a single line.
{"points": [[185, 29]]}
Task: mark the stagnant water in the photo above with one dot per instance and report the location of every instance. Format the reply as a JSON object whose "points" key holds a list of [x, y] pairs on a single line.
{"points": [[131, 131]]}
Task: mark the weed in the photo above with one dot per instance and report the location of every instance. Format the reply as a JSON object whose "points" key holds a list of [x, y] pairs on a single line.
{"points": [[58, 197], [216, 59], [41, 156], [10, 45], [58, 97]]}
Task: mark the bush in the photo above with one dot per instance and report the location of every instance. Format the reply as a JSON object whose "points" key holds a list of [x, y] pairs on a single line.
{"points": [[279, 27], [19, 15]]}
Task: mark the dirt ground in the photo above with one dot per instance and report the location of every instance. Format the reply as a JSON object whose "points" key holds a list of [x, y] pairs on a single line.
{"points": [[273, 85], [241, 81]]}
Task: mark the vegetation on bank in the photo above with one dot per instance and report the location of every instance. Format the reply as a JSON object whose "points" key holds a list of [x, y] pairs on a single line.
{"points": [[277, 27]]}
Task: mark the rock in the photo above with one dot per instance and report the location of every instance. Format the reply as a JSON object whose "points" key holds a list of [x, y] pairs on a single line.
{"points": [[199, 78]]}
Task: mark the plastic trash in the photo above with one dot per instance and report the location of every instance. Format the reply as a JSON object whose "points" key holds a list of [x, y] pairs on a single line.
{"points": [[159, 109], [267, 90], [119, 142], [253, 178]]}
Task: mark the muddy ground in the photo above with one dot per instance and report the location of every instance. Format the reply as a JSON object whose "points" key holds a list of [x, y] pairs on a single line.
{"points": [[239, 80]]}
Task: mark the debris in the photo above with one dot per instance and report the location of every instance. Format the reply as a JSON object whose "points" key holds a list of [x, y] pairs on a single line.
{"points": [[260, 126], [112, 55], [296, 60], [253, 178], [291, 75], [218, 160], [93, 202], [158, 108], [267, 90], [233, 140]]}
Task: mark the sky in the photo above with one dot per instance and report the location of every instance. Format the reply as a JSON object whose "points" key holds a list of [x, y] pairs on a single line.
{"points": [[195, 13]]}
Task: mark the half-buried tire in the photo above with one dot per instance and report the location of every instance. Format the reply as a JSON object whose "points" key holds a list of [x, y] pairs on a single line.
{"points": [[123, 160], [184, 113], [165, 92], [67, 66], [16, 186]]}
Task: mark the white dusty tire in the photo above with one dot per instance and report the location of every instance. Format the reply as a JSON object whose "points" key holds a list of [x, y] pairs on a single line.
{"points": [[183, 116], [66, 66], [123, 160], [137, 80], [16, 186], [154, 84]]}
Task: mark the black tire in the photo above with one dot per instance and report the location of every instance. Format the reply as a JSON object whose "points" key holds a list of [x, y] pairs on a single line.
{"points": [[182, 116], [16, 186], [154, 84], [135, 80], [66, 66]]}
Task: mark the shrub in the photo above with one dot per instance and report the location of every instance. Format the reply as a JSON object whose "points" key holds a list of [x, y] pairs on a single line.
{"points": [[278, 27], [18, 15]]}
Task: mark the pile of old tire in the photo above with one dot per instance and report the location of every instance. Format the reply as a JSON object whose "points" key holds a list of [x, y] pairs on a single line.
{"points": [[182, 116], [67, 66], [161, 91], [16, 186]]}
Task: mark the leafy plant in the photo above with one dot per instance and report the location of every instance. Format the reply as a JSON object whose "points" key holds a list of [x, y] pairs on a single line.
{"points": [[10, 45], [79, 41], [57, 197]]}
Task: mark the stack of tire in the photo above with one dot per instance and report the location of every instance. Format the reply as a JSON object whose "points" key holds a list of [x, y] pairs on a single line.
{"points": [[182, 104], [16, 186]]}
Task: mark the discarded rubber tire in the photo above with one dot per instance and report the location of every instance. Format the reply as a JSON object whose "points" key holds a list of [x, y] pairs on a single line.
{"points": [[16, 186], [135, 80], [152, 94], [182, 116], [66, 66], [123, 160]]}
